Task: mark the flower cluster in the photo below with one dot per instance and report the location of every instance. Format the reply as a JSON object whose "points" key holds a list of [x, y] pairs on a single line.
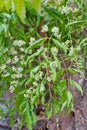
{"points": [[45, 28], [55, 31]]}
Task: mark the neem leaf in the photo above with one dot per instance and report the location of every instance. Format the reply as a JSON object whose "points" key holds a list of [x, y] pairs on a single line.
{"points": [[37, 43], [1, 4], [64, 105], [69, 97], [8, 4], [20, 9], [59, 45], [36, 4], [76, 85]]}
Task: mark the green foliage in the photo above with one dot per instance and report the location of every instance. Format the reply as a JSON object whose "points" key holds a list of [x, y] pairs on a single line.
{"points": [[38, 55], [20, 9]]}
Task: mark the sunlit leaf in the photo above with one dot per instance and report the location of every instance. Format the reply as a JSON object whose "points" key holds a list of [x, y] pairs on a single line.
{"points": [[36, 4], [20, 9], [59, 45], [8, 4], [1, 4], [37, 43]]}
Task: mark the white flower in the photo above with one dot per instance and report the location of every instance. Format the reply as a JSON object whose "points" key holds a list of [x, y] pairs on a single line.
{"points": [[53, 64], [19, 43], [71, 51], [13, 51], [49, 79], [3, 67], [78, 48], [30, 52], [14, 83], [37, 77], [5, 50], [12, 88], [55, 30], [5, 75], [65, 9], [22, 49], [14, 68], [54, 50], [21, 56], [76, 10], [8, 61], [35, 83], [16, 59], [42, 88], [32, 39], [16, 76], [20, 69], [29, 90], [44, 28], [26, 95]]}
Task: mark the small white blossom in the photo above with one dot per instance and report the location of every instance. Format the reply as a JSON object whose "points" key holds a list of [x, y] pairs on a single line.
{"points": [[78, 48], [30, 51], [12, 88], [16, 59], [5, 50], [49, 79], [44, 28], [32, 39], [13, 51], [3, 67], [42, 88], [14, 68], [16, 76], [21, 56], [54, 50], [71, 53], [26, 95], [22, 49], [20, 69], [55, 30], [8, 61], [53, 64], [19, 43], [14, 82], [5, 75], [66, 9], [35, 83]]}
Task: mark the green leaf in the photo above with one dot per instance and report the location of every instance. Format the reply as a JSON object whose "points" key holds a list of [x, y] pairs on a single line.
{"points": [[83, 42], [59, 45], [28, 117], [74, 71], [64, 105], [8, 4], [30, 8], [1, 4], [37, 43], [69, 97], [53, 75], [77, 23], [34, 55], [74, 84], [36, 4], [20, 9]]}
